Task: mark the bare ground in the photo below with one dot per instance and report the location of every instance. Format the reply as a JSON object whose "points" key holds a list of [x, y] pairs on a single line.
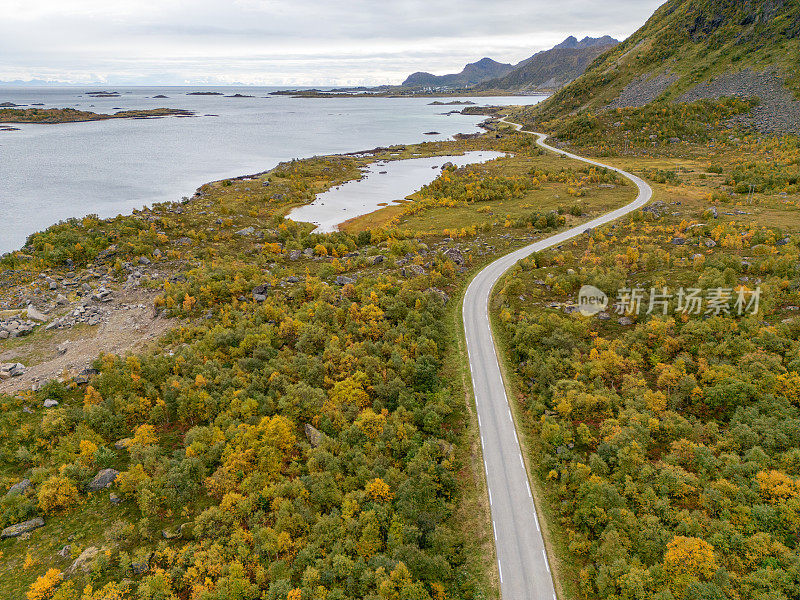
{"points": [[128, 327]]}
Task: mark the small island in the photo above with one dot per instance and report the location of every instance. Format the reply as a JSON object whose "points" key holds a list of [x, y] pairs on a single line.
{"points": [[71, 115]]}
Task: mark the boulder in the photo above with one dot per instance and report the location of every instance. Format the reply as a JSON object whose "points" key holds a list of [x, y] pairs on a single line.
{"points": [[19, 488], [437, 292], [246, 231], [342, 280], [20, 528], [455, 255], [413, 271], [314, 435], [625, 321], [9, 370], [376, 260], [122, 444], [35, 314], [84, 560], [50, 403], [260, 292], [102, 480], [141, 567]]}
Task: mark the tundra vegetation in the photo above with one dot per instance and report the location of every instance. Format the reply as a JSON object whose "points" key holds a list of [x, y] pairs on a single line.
{"points": [[302, 432]]}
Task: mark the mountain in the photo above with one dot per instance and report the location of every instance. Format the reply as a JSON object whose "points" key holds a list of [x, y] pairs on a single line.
{"points": [[693, 49], [473, 73], [554, 68], [572, 43]]}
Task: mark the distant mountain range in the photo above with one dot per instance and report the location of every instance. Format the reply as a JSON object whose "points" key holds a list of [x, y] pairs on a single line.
{"points": [[473, 73], [549, 69]]}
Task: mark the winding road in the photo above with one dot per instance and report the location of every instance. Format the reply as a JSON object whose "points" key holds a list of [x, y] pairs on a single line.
{"points": [[521, 557]]}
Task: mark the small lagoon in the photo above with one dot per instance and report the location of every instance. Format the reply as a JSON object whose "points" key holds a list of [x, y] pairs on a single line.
{"points": [[383, 183]]}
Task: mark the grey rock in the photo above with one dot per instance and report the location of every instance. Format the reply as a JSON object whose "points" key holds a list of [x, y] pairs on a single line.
{"points": [[260, 292], [314, 435], [50, 403], [436, 291], [678, 241], [102, 480], [83, 562], [342, 280], [413, 271], [625, 321], [20, 528], [35, 314], [141, 567], [19, 488], [455, 255], [66, 551], [246, 231], [376, 260]]}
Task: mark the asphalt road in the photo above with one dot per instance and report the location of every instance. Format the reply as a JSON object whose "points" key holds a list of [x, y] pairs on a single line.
{"points": [[521, 557]]}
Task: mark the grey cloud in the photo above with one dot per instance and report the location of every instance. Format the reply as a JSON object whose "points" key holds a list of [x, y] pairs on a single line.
{"points": [[277, 41]]}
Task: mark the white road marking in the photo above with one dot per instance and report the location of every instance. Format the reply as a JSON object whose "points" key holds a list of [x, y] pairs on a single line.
{"points": [[490, 396]]}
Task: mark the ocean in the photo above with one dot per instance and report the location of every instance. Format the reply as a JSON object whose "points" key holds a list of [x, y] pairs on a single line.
{"points": [[52, 172]]}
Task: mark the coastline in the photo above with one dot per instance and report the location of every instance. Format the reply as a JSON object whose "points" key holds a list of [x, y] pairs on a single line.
{"points": [[61, 215], [53, 116]]}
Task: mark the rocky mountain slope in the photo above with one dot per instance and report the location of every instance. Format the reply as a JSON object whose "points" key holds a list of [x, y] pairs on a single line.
{"points": [[554, 68], [473, 73], [692, 49], [548, 69]]}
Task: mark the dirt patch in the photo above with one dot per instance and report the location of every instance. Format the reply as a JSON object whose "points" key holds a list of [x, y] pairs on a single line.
{"points": [[130, 325]]}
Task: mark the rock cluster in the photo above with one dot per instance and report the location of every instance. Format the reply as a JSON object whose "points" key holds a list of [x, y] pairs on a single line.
{"points": [[777, 111], [9, 370], [643, 90], [14, 327]]}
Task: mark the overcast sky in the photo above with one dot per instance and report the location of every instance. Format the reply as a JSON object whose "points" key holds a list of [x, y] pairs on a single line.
{"points": [[287, 42]]}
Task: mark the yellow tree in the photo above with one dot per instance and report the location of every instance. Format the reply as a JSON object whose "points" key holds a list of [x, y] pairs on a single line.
{"points": [[690, 556], [57, 493], [45, 586]]}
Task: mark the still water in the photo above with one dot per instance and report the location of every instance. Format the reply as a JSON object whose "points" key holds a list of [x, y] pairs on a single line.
{"points": [[53, 172]]}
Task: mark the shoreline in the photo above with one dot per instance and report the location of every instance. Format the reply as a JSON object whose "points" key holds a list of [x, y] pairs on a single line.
{"points": [[57, 116], [490, 111]]}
